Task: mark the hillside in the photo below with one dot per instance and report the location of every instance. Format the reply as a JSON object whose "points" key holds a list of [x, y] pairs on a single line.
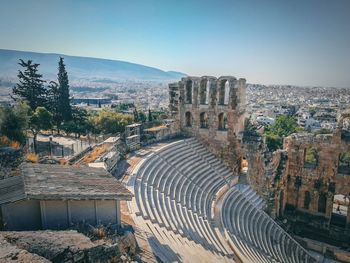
{"points": [[79, 68]]}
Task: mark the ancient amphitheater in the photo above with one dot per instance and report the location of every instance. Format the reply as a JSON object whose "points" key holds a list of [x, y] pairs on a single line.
{"points": [[189, 202], [192, 210]]}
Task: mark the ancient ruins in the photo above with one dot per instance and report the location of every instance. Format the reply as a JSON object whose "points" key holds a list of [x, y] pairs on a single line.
{"points": [[305, 185]]}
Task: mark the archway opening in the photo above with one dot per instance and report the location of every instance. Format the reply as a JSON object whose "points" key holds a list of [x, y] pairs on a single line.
{"points": [[339, 210], [310, 158], [203, 117], [322, 203], [188, 92], [188, 119], [307, 200], [222, 122], [203, 92], [244, 165], [345, 129], [344, 163], [224, 90]]}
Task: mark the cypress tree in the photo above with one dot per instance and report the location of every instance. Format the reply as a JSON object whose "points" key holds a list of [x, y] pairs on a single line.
{"points": [[150, 117], [54, 104], [64, 106], [31, 86], [136, 115]]}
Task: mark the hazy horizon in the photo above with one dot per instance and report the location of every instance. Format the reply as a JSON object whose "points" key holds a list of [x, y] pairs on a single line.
{"points": [[287, 43]]}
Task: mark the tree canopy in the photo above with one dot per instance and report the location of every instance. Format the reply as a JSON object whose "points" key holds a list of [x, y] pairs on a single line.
{"points": [[14, 121], [107, 121], [30, 87], [64, 106], [41, 119], [283, 126]]}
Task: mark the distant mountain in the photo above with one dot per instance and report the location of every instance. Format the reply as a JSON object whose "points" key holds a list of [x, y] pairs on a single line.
{"points": [[79, 68]]}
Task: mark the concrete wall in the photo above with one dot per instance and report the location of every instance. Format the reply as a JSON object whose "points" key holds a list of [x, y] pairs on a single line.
{"points": [[107, 212], [82, 211], [21, 215], [55, 214], [58, 214]]}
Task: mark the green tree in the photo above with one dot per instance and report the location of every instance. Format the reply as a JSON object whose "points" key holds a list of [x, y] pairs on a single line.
{"points": [[79, 124], [14, 122], [273, 141], [142, 116], [344, 159], [312, 111], [283, 126], [249, 126], [41, 119], [107, 121], [30, 86], [64, 106], [53, 104], [124, 107], [150, 117], [136, 115]]}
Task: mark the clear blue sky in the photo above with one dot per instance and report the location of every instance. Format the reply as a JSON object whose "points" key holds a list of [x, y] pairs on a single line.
{"points": [[303, 42]]}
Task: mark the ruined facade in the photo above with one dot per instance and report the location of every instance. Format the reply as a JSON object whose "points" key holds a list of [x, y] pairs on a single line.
{"points": [[212, 109], [312, 184]]}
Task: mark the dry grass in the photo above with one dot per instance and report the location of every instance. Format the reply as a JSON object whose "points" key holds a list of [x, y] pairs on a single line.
{"points": [[157, 128], [33, 158], [9, 143], [95, 153], [100, 232], [63, 161]]}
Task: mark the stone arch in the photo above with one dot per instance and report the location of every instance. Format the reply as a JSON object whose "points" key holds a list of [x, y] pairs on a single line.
{"points": [[340, 206], [204, 91], [307, 199], [345, 132], [223, 92], [322, 202], [188, 119], [344, 163], [310, 157], [188, 91], [203, 118], [222, 121]]}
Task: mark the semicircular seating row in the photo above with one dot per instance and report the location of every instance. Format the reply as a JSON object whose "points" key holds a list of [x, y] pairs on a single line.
{"points": [[175, 188], [256, 236]]}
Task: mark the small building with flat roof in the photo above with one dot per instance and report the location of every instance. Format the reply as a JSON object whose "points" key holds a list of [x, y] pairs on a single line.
{"points": [[48, 196]]}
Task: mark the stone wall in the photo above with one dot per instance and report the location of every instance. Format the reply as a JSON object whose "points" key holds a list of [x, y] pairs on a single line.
{"points": [[211, 109], [305, 190], [70, 246]]}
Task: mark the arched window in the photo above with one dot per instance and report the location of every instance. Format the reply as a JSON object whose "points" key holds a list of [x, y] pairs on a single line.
{"points": [[188, 119], [188, 92], [221, 92], [203, 117], [307, 199], [227, 93], [222, 122], [204, 91], [344, 163], [310, 158], [322, 202]]}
